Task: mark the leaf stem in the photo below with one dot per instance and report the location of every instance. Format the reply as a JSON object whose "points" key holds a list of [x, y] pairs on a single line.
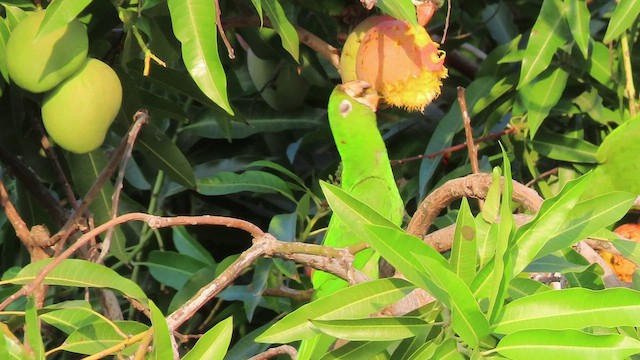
{"points": [[629, 87]]}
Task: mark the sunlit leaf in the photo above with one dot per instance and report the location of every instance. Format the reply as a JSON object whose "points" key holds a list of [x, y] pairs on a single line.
{"points": [[566, 344], [372, 329], [547, 35], [574, 308], [283, 27], [349, 303], [80, 273], [194, 24], [624, 15], [59, 14], [214, 343]]}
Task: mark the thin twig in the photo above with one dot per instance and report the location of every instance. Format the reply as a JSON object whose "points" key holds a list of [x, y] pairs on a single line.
{"points": [[543, 175], [454, 148], [468, 131], [446, 23], [230, 51], [140, 118], [273, 352]]}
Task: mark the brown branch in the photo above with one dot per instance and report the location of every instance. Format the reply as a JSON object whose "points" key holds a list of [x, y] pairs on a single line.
{"points": [[230, 51], [454, 148], [71, 225], [468, 131], [472, 186], [545, 174], [21, 228], [140, 118], [276, 351], [289, 293], [153, 222]]}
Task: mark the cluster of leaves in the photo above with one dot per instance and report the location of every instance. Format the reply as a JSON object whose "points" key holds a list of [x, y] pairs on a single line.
{"points": [[553, 79]]}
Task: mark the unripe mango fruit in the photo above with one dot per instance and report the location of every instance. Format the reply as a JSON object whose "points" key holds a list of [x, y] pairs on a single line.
{"points": [[78, 113], [279, 83], [39, 64]]}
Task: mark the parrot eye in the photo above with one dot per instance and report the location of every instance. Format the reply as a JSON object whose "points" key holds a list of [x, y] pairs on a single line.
{"points": [[345, 108]]}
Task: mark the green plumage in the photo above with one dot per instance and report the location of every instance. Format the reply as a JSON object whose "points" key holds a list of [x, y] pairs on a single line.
{"points": [[366, 175]]}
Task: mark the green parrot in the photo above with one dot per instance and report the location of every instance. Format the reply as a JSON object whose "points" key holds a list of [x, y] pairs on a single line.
{"points": [[366, 175]]}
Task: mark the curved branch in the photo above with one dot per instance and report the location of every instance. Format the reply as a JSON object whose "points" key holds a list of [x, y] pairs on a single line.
{"points": [[472, 186]]}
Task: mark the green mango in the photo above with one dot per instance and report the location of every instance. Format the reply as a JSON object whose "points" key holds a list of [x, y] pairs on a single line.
{"points": [[39, 63], [77, 114]]}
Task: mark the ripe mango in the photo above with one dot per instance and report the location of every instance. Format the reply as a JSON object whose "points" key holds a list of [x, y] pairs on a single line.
{"points": [[78, 113], [39, 64], [278, 82]]}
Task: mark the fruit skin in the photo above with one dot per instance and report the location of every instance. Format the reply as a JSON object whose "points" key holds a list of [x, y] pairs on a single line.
{"points": [[278, 82], [78, 113], [402, 63], [352, 44], [623, 267], [38, 65]]}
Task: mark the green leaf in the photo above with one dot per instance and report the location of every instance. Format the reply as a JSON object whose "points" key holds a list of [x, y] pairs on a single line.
{"points": [[288, 34], [171, 268], [34, 337], [10, 346], [578, 18], [616, 171], [188, 245], [586, 218], [256, 120], [213, 345], [224, 183], [545, 94], [348, 303], [100, 336], [624, 15], [59, 14], [574, 308], [85, 169], [399, 9], [491, 206], [464, 253], [502, 261], [373, 329], [601, 65], [163, 154], [162, 348], [191, 287], [566, 344], [70, 319], [258, 5], [194, 24], [532, 236], [548, 34], [448, 350], [80, 273], [521, 287], [564, 148], [373, 350], [432, 273]]}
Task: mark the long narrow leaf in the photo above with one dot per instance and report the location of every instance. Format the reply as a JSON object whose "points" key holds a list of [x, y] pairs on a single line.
{"points": [[464, 253], [348, 303], [162, 348], [214, 343], [373, 329], [547, 35], [568, 344], [80, 273], [625, 13], [574, 308], [194, 24], [59, 14], [283, 27]]}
